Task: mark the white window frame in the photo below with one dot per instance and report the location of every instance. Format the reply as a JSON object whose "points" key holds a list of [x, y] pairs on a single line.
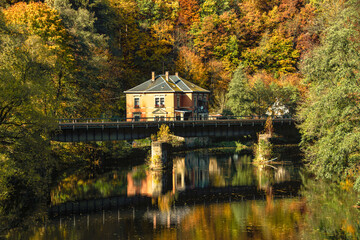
{"points": [[161, 100], [138, 99]]}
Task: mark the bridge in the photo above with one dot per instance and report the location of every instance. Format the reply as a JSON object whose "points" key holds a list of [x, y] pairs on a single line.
{"points": [[84, 130]]}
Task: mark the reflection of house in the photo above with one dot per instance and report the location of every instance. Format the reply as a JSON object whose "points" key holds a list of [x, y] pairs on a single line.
{"points": [[179, 171], [191, 171], [166, 97], [150, 185]]}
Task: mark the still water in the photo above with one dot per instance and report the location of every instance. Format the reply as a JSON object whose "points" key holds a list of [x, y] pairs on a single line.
{"points": [[200, 196]]}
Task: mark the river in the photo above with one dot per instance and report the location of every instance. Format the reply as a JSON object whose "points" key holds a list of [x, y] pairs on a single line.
{"points": [[201, 195]]}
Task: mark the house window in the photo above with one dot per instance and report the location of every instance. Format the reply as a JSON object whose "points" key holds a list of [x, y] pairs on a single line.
{"points": [[195, 100], [159, 118], [159, 102], [137, 117], [178, 101], [162, 102], [136, 102]]}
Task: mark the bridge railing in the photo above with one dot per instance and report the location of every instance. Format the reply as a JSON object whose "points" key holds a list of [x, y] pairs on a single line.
{"points": [[165, 119]]}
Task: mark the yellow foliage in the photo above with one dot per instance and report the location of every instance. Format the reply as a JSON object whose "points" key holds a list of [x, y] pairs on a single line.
{"points": [[269, 129], [164, 133], [347, 185]]}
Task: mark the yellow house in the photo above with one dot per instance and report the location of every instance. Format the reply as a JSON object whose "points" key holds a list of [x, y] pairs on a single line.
{"points": [[166, 97]]}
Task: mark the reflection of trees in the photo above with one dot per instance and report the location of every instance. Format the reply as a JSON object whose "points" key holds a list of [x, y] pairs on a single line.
{"points": [[191, 171], [244, 220], [75, 188], [331, 213], [165, 201], [201, 170], [244, 175], [281, 174], [237, 220], [267, 175]]}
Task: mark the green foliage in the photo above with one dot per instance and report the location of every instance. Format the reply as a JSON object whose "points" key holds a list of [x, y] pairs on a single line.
{"points": [[330, 113], [333, 215], [80, 187], [275, 55], [246, 99], [244, 175], [74, 59], [214, 7], [241, 146], [27, 165], [263, 151], [239, 95]]}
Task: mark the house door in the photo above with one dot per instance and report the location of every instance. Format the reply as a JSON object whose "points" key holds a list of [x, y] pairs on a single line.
{"points": [[136, 117]]}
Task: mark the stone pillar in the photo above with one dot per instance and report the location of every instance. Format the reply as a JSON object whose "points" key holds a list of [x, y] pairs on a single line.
{"points": [[159, 154]]}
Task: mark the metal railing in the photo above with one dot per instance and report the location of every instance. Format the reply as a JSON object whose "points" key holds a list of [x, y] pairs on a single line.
{"points": [[166, 119]]}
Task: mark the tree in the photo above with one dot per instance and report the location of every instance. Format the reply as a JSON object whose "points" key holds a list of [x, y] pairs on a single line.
{"points": [[26, 122], [275, 54], [43, 27], [191, 67], [253, 95], [239, 98], [188, 13], [89, 80], [330, 113], [215, 7]]}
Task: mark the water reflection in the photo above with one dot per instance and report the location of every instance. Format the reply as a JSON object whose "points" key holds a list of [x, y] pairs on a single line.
{"points": [[201, 170], [190, 171], [324, 211], [252, 219]]}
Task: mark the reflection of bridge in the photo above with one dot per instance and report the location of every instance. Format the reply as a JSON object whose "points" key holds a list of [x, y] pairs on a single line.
{"points": [[196, 195], [95, 130]]}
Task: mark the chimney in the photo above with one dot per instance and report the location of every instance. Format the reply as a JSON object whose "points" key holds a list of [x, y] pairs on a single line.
{"points": [[153, 76], [167, 75], [177, 74]]}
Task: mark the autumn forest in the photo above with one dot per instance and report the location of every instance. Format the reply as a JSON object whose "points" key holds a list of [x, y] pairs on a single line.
{"points": [[74, 59]]}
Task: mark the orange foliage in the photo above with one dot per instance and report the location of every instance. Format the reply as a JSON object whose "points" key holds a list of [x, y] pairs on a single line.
{"points": [[191, 67], [293, 79], [189, 12]]}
